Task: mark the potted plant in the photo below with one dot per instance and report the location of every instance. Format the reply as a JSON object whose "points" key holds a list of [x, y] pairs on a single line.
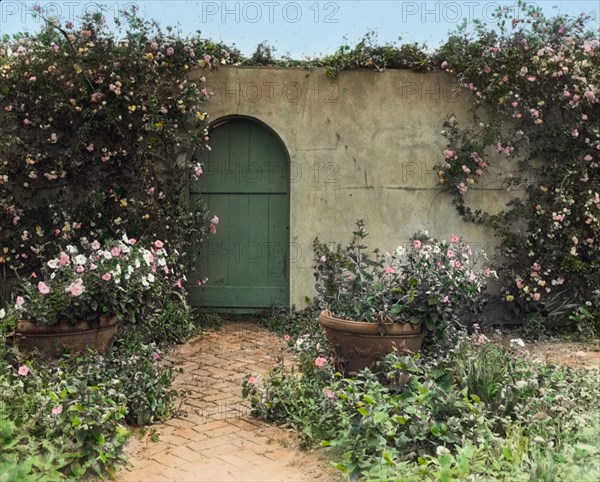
{"points": [[377, 302], [75, 301]]}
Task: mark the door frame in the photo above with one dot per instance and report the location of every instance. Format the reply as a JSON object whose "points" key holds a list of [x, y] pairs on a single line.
{"points": [[240, 117]]}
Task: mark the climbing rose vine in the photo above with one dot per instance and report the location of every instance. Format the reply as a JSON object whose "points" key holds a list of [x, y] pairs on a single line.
{"points": [[92, 123], [539, 78]]}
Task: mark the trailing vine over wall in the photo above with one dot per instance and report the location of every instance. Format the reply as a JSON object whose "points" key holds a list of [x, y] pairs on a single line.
{"points": [[92, 122], [539, 78]]}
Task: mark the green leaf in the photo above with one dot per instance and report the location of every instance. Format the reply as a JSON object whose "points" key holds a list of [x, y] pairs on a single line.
{"points": [[369, 400], [363, 411], [387, 456]]}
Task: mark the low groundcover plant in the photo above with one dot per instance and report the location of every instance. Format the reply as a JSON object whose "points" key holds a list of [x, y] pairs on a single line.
{"points": [[476, 412]]}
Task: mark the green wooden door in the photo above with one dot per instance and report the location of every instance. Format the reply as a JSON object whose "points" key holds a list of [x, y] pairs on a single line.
{"points": [[245, 183]]}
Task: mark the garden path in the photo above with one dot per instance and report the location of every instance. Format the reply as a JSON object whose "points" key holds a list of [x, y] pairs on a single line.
{"points": [[214, 438]]}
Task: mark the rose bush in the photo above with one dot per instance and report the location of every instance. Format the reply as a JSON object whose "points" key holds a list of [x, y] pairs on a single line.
{"points": [[85, 282], [432, 282]]}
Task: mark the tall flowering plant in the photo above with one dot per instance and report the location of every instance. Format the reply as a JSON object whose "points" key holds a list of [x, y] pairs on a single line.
{"points": [[432, 282], [92, 279]]}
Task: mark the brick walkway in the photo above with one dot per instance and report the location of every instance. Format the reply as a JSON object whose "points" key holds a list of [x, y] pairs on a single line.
{"points": [[215, 438]]}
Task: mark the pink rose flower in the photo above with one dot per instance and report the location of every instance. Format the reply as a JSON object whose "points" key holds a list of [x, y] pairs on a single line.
{"points": [[57, 410], [251, 380], [213, 229], [106, 276], [64, 259], [323, 258], [329, 393], [454, 239], [158, 244], [43, 288], [390, 270], [320, 361], [287, 337], [20, 300], [457, 264], [76, 289], [155, 356], [417, 244], [23, 370]]}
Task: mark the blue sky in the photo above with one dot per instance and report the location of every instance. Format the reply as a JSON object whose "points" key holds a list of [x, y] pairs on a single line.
{"points": [[304, 28]]}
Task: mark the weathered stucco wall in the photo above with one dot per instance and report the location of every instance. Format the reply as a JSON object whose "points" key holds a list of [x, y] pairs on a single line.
{"points": [[362, 145]]}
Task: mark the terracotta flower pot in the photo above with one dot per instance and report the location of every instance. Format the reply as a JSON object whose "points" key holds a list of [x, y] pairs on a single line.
{"points": [[51, 340], [357, 344]]}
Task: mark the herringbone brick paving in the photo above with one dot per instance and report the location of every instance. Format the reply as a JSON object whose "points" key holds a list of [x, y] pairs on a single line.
{"points": [[214, 438]]}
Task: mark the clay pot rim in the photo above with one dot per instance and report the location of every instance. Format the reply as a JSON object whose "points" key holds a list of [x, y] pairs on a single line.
{"points": [[328, 320], [329, 314], [64, 325]]}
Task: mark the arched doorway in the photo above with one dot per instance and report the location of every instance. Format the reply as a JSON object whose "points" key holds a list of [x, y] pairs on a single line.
{"points": [[245, 183]]}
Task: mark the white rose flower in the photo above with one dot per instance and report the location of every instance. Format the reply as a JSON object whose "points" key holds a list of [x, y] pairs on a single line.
{"points": [[80, 260], [2, 313]]}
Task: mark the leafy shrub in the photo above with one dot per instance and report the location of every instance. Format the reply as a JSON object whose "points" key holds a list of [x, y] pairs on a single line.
{"points": [[64, 419], [478, 412]]}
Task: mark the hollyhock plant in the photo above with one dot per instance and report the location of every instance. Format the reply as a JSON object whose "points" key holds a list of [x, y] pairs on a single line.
{"points": [[436, 283]]}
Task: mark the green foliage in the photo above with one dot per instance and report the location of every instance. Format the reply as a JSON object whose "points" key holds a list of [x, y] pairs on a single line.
{"points": [[430, 282], [64, 419], [476, 413], [538, 80], [367, 54], [94, 121]]}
